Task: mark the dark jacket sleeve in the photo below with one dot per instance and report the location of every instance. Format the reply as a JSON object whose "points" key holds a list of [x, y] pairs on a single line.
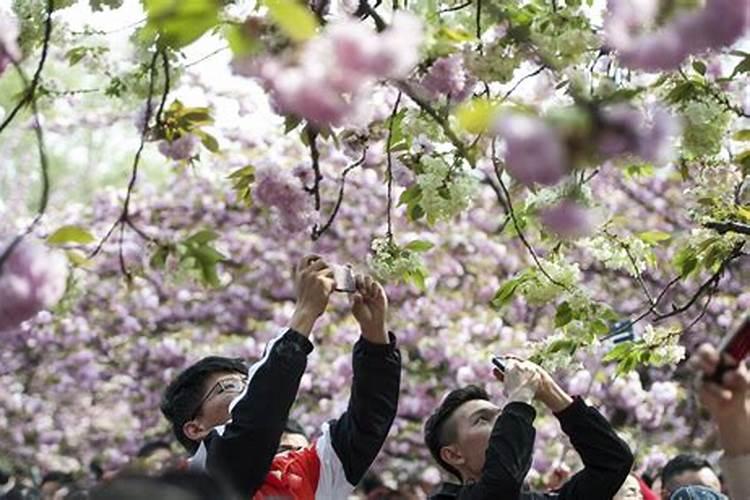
{"points": [[508, 457], [243, 453], [606, 457], [359, 433]]}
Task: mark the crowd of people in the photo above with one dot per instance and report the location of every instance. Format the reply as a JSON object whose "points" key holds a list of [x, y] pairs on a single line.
{"points": [[232, 419]]}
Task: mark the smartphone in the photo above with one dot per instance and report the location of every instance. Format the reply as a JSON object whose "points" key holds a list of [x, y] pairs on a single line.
{"points": [[734, 348], [498, 362], [344, 278]]}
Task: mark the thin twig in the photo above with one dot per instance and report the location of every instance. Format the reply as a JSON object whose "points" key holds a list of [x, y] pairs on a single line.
{"points": [[29, 92], [44, 168], [637, 271], [207, 56], [728, 227], [124, 217], [312, 137], [522, 79], [318, 232], [365, 10], [165, 67], [521, 235], [389, 163], [455, 7]]}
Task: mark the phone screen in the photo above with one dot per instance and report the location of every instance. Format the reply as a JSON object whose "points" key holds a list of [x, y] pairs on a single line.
{"points": [[498, 362]]}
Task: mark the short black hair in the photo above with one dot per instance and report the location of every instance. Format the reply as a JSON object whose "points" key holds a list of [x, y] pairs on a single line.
{"points": [[437, 434], [152, 446], [57, 477], [294, 427], [183, 395], [682, 463]]}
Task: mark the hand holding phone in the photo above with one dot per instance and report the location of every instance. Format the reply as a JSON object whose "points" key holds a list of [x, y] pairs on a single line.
{"points": [[734, 348], [499, 364]]}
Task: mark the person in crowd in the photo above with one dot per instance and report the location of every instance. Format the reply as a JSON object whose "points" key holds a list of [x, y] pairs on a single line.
{"points": [[171, 486], [11, 488], [630, 489], [293, 438], [232, 418], [54, 484], [489, 450], [728, 403], [696, 493], [687, 470]]}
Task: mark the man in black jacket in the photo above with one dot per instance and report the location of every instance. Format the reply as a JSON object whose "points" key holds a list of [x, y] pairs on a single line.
{"points": [[490, 451], [232, 418]]}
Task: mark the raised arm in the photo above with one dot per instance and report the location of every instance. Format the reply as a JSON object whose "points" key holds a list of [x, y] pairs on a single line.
{"points": [[350, 443], [241, 452]]}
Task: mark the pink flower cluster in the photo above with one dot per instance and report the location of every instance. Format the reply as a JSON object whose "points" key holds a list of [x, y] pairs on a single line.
{"points": [[284, 193], [31, 279], [720, 23], [567, 219], [534, 151], [627, 131], [449, 77], [335, 69], [9, 50], [182, 148]]}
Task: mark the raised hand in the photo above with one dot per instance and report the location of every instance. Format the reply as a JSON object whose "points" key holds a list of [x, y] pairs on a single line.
{"points": [[370, 308], [314, 284]]}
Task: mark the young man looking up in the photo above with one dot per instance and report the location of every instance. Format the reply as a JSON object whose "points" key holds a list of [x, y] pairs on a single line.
{"points": [[232, 418], [489, 450]]}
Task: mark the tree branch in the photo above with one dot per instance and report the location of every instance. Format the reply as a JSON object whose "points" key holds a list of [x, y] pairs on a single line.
{"points": [[728, 227], [124, 218], [455, 7], [318, 232], [31, 89], [312, 137], [512, 213], [389, 162], [523, 79]]}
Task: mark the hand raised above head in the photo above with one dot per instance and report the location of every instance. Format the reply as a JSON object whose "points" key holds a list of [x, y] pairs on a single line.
{"points": [[370, 308]]}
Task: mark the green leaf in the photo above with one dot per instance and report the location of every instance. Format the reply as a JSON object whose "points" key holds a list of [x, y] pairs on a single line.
{"points": [[743, 160], [419, 246], [209, 142], [654, 237], [476, 115], [505, 293], [412, 194], [180, 22], [686, 261], [699, 67], [563, 315], [290, 123], [742, 135], [742, 67], [202, 237], [241, 43], [599, 327], [295, 20], [78, 259], [159, 258], [70, 234], [619, 351], [415, 212]]}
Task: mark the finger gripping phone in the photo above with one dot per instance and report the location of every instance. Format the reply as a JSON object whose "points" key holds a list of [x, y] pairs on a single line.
{"points": [[498, 362], [734, 348], [344, 278]]}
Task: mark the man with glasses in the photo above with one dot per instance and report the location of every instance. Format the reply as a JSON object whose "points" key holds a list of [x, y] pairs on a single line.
{"points": [[231, 418]]}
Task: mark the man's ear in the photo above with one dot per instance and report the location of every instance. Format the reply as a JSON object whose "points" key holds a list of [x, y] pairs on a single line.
{"points": [[452, 456], [195, 430]]}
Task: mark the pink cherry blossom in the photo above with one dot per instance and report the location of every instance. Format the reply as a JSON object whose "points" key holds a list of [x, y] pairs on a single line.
{"points": [[567, 219], [9, 50]]}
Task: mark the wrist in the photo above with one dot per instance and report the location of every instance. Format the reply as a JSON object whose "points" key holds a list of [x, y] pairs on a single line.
{"points": [[734, 434], [303, 320], [377, 334], [555, 398]]}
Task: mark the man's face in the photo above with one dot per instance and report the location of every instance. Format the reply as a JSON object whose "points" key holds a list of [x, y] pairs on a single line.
{"points": [[473, 422], [291, 441], [703, 477], [220, 389], [630, 490]]}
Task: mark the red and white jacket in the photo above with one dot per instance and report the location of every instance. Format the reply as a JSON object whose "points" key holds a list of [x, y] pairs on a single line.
{"points": [[243, 451]]}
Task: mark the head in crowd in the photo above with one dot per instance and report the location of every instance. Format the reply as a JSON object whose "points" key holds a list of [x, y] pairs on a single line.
{"points": [[294, 437], [687, 470], [696, 493], [171, 486], [198, 399], [54, 481], [630, 490], [458, 432]]}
